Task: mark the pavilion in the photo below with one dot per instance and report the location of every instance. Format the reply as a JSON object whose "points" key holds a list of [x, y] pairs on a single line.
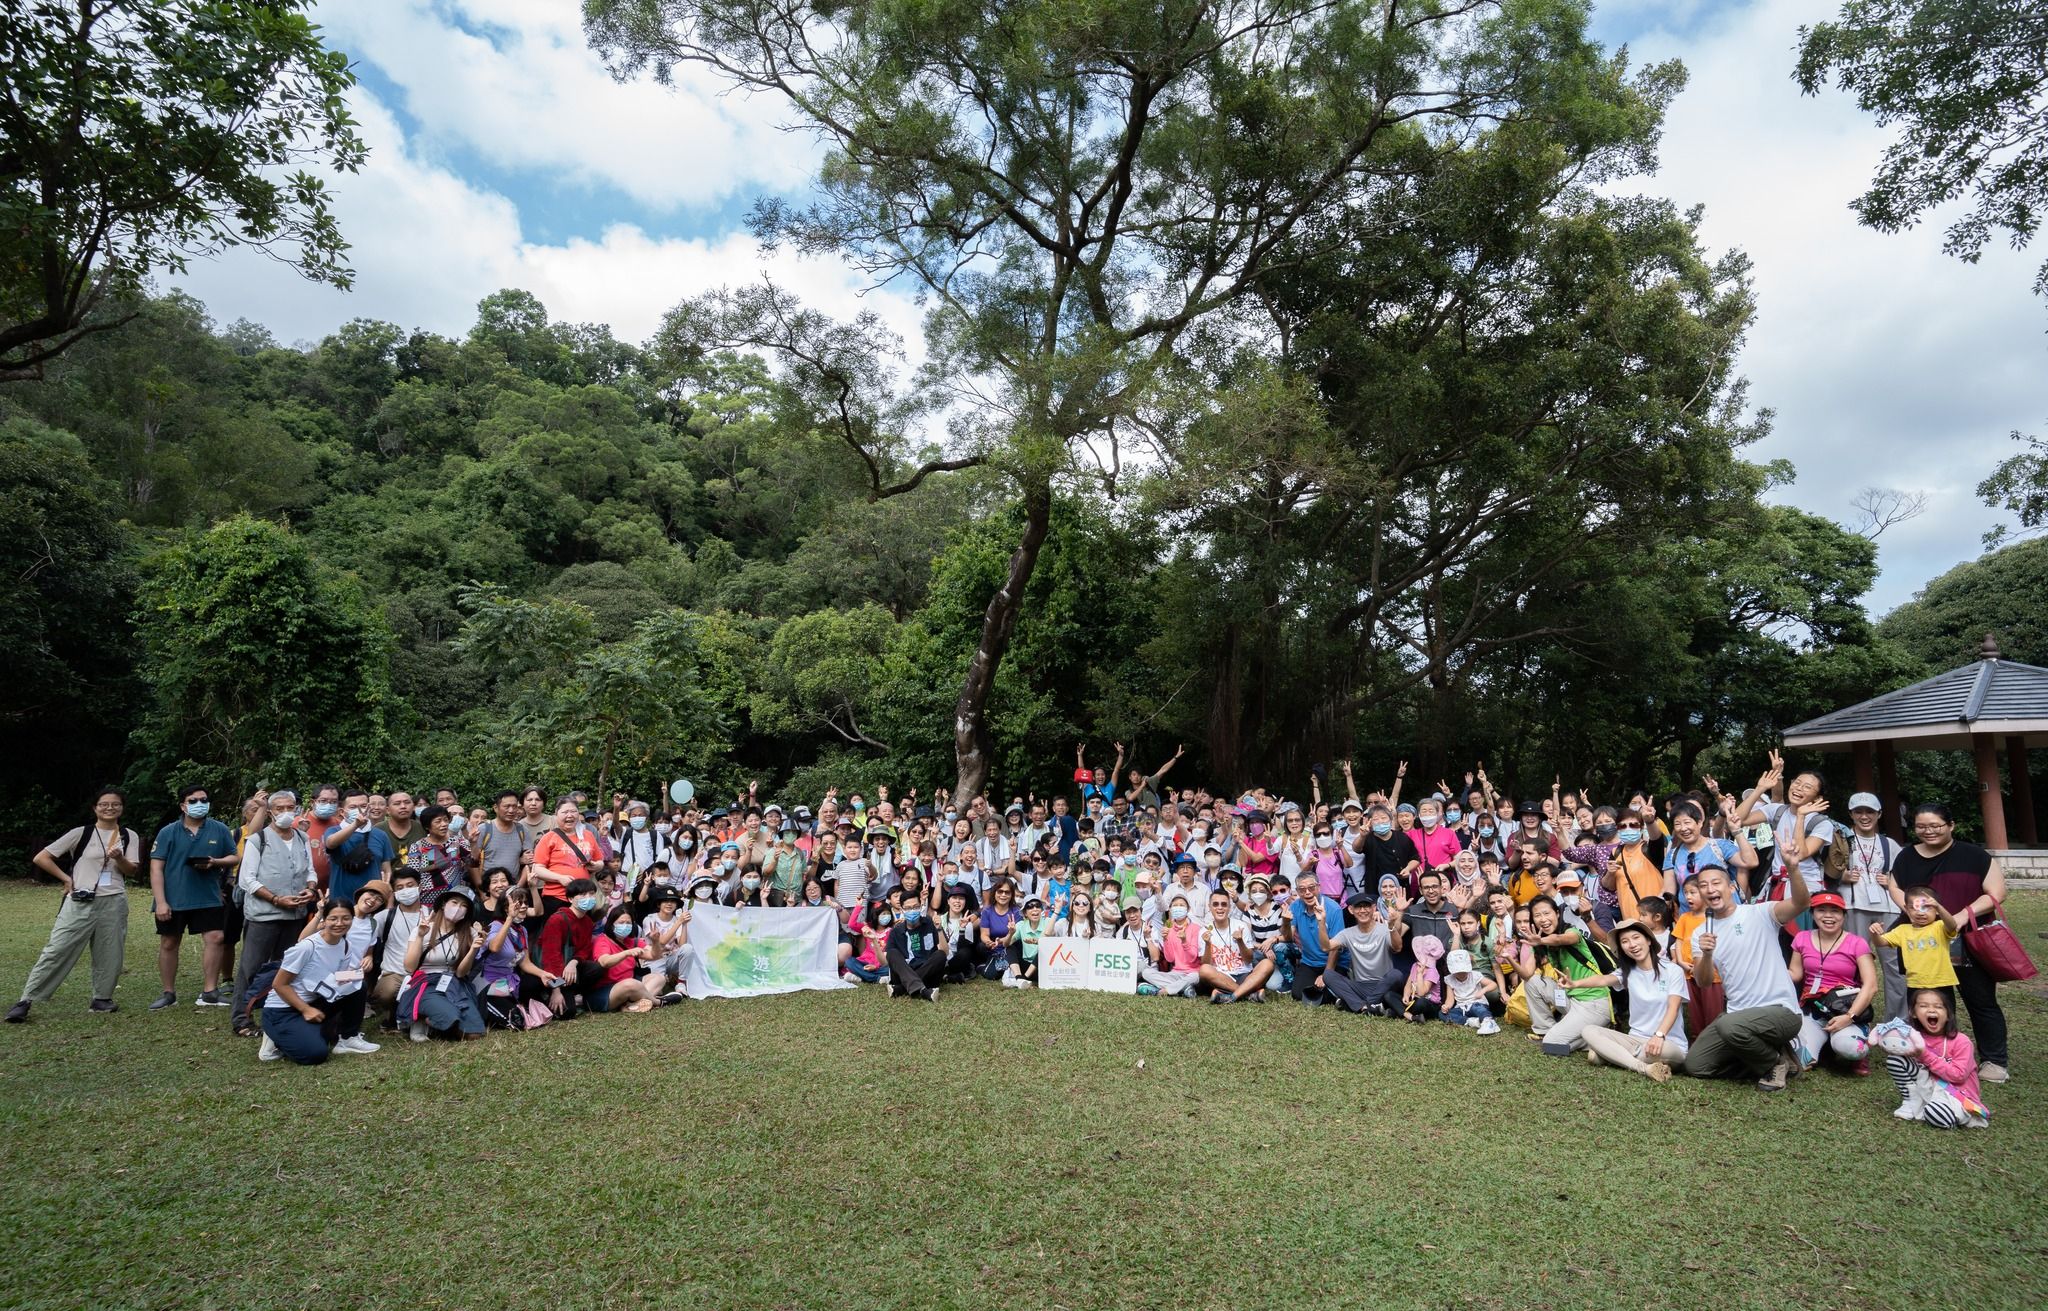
{"points": [[1977, 708]]}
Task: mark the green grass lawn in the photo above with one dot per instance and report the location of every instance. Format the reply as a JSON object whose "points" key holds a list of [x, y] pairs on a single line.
{"points": [[999, 1149]]}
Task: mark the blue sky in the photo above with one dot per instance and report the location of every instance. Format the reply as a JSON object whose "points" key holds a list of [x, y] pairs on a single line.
{"points": [[503, 155]]}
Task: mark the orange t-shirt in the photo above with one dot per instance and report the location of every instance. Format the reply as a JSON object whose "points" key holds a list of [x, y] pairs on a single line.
{"points": [[554, 854]]}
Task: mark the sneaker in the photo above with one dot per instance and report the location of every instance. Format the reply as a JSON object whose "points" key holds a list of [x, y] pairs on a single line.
{"points": [[1992, 1072], [1474, 1022], [1222, 998], [17, 1013], [1147, 990], [268, 1051], [1593, 1057], [1488, 1027], [1660, 1072], [668, 999], [1188, 991], [1258, 995], [355, 1045], [1775, 1080], [1908, 1109], [211, 997], [931, 994], [419, 1031], [164, 1002], [890, 984], [1011, 981]]}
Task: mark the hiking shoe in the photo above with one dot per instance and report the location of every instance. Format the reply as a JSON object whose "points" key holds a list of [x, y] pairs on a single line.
{"points": [[1775, 1080], [1992, 1072], [211, 997], [1660, 1072], [17, 1013], [164, 1002], [102, 1006], [269, 1051]]}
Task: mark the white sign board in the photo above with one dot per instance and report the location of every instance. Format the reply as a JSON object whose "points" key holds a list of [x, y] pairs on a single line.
{"points": [[1095, 964]]}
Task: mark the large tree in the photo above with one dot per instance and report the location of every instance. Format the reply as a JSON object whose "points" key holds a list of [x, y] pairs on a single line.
{"points": [[1076, 184], [1966, 83], [137, 134]]}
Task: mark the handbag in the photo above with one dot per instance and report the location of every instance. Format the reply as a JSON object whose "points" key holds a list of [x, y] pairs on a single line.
{"points": [[1997, 952]]}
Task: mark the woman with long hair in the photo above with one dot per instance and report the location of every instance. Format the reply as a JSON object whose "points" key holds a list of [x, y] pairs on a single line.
{"points": [[1655, 1040]]}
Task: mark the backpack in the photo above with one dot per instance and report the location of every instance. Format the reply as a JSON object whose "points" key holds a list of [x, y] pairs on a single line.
{"points": [[259, 988], [1834, 862]]}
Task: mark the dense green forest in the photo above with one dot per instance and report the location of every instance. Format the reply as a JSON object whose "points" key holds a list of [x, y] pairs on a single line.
{"points": [[540, 552], [1294, 409]]}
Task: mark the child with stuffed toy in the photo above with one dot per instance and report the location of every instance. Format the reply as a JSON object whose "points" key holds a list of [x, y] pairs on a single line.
{"points": [[1934, 1066]]}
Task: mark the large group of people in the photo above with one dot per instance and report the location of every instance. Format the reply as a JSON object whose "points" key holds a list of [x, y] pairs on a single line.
{"points": [[1716, 934]]}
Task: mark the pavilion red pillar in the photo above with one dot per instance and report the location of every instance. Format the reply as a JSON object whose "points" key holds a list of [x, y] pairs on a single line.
{"points": [[2022, 789], [1985, 748], [1888, 789], [1866, 767]]}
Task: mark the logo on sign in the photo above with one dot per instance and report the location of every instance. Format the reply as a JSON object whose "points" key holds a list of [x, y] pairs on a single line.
{"points": [[1062, 955]]}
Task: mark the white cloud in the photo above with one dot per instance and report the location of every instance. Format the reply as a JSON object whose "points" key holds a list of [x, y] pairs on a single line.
{"points": [[427, 245], [1888, 362], [514, 81]]}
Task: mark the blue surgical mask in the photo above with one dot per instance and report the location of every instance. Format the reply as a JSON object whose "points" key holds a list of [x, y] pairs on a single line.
{"points": [[198, 809], [621, 932], [684, 844], [324, 809], [1382, 828], [586, 904], [1452, 815], [1486, 830], [751, 882], [1629, 835], [638, 822], [728, 865]]}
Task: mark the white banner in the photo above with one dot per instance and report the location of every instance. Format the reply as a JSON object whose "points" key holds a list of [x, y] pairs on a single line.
{"points": [[1096, 964], [748, 951]]}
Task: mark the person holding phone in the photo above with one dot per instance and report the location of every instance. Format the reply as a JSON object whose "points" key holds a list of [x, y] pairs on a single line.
{"points": [[185, 866]]}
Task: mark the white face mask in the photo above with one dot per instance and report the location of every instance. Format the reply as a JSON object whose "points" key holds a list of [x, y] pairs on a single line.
{"points": [[407, 896], [1259, 899], [1178, 913], [1326, 842], [285, 818]]}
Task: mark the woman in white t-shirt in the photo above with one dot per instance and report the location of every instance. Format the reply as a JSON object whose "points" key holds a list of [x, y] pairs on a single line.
{"points": [[316, 969], [1655, 1040]]}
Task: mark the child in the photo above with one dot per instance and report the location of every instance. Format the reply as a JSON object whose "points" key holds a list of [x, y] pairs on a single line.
{"points": [[1422, 996], [1263, 919], [1923, 939], [1468, 994], [1937, 1075], [1023, 971]]}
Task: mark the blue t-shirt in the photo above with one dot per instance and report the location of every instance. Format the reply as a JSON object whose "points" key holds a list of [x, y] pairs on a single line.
{"points": [[1306, 942], [1107, 791], [1681, 865], [342, 885], [177, 847]]}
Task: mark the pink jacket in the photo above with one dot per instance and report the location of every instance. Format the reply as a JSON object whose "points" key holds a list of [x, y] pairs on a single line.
{"points": [[1954, 1062]]}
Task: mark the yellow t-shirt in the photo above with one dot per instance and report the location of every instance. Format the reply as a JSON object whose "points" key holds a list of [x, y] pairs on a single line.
{"points": [[1925, 951]]}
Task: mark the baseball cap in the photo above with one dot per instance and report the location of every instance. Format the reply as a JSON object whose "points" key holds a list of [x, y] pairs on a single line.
{"points": [[1865, 801]]}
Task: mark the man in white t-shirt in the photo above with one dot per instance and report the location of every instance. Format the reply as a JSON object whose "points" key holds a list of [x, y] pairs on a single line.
{"points": [[1738, 945]]}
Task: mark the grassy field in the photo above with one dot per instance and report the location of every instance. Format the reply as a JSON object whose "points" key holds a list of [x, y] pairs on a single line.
{"points": [[999, 1149]]}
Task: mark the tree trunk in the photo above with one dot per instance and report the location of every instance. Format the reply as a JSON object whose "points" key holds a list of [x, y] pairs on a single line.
{"points": [[972, 748]]}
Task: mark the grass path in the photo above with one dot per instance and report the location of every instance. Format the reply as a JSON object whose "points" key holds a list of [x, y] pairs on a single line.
{"points": [[999, 1149]]}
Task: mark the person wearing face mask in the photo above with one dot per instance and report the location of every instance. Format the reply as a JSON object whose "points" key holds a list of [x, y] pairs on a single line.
{"points": [[394, 933], [1257, 848], [748, 888], [278, 890], [185, 864], [1435, 840], [321, 816], [436, 998], [1385, 850], [621, 954], [357, 850], [1175, 951], [915, 954], [784, 866], [568, 948], [1597, 857], [639, 843], [1267, 927]]}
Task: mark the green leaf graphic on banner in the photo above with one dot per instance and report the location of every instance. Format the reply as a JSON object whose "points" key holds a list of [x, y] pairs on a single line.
{"points": [[743, 961]]}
